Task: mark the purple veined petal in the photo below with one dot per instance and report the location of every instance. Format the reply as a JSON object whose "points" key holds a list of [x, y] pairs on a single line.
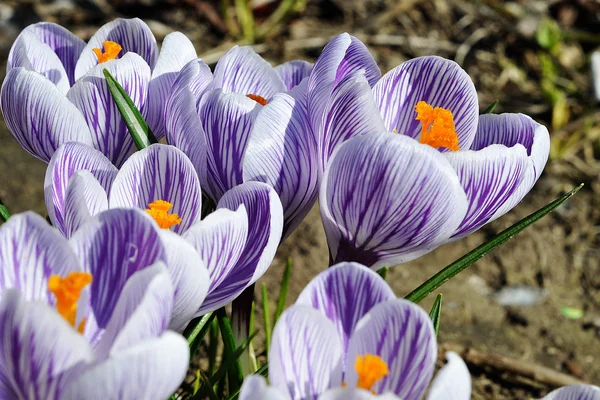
{"points": [[30, 252], [351, 111], [255, 387], [344, 293], [452, 382], [68, 159], [282, 153], [84, 198], [159, 172], [242, 70], [227, 120], [402, 334], [220, 239], [142, 312], [182, 121], [30, 53], [38, 115], [439, 82], [112, 247], [401, 201], [151, 370], [489, 177], [305, 354], [40, 352], [355, 394], [510, 130], [343, 55], [177, 50], [133, 35], [293, 72], [63, 42], [92, 97], [575, 392], [190, 278], [265, 224]]}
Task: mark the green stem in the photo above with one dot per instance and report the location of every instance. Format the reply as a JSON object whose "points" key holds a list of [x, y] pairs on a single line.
{"points": [[241, 313]]}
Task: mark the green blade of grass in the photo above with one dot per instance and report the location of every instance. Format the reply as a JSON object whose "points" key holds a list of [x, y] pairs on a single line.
{"points": [[196, 330], [266, 317], [436, 313], [383, 272], [462, 263], [261, 371], [213, 345], [137, 126], [287, 272], [4, 213], [491, 107], [235, 375]]}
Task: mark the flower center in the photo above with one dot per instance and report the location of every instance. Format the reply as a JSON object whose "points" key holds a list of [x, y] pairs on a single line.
{"points": [[111, 51], [370, 369], [259, 99], [158, 210], [67, 292], [437, 126]]}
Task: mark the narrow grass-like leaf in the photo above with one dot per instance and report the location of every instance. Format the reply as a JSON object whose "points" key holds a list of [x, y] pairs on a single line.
{"points": [[383, 272], [213, 345], [207, 388], [491, 107], [138, 128], [196, 330], [276, 18], [246, 19], [283, 290], [266, 317], [4, 213], [462, 263], [263, 370], [436, 313], [235, 375]]}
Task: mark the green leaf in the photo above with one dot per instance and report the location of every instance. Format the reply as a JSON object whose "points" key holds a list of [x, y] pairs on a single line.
{"points": [[266, 317], [287, 272], [462, 263], [235, 368], [138, 128], [571, 313], [491, 107], [4, 213], [436, 313], [261, 371], [196, 330], [383, 272], [246, 19], [213, 345], [548, 34]]}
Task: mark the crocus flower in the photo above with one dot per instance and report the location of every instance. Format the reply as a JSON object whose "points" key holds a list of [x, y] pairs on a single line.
{"points": [[575, 392], [236, 243], [348, 336], [86, 318], [55, 91]]}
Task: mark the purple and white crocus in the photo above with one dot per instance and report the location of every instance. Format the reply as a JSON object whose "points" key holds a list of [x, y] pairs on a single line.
{"points": [[236, 243], [349, 337], [575, 392], [55, 91], [87, 318]]}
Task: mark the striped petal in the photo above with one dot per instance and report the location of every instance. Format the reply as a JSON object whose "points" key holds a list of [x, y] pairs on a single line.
{"points": [[38, 115], [183, 125], [142, 312], [40, 351], [227, 121], [355, 394], [402, 334], [220, 239], [32, 54], [452, 382], [84, 198], [575, 392], [255, 387], [401, 201], [282, 153], [133, 35], [151, 370], [344, 293], [305, 354], [30, 252], [65, 44], [439, 82], [190, 278], [112, 247], [177, 50], [265, 224], [92, 97], [511, 130], [293, 72], [68, 159], [243, 71], [159, 172]]}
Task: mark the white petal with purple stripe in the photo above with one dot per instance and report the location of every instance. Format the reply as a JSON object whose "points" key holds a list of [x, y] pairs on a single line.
{"points": [[84, 198], [293, 72]]}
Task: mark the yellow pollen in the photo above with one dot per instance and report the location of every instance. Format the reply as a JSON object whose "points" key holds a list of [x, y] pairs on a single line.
{"points": [[370, 369], [67, 292], [437, 126], [259, 99], [159, 210], [111, 51]]}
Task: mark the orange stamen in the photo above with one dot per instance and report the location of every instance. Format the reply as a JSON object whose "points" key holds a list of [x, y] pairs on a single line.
{"points": [[259, 99], [370, 369], [67, 292], [159, 211], [111, 51], [437, 126]]}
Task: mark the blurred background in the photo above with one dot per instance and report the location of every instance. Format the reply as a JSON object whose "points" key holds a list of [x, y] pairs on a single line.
{"points": [[532, 304]]}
